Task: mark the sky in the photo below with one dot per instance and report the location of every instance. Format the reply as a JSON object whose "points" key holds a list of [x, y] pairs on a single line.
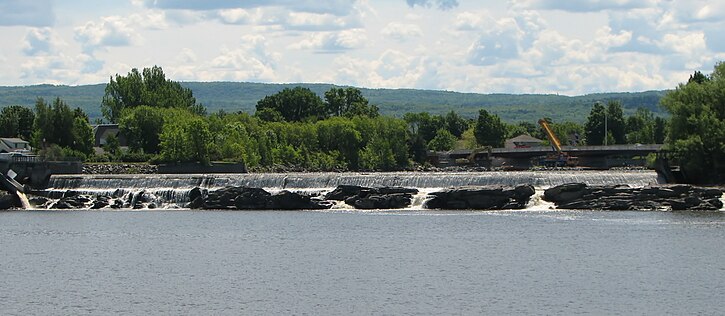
{"points": [[516, 46]]}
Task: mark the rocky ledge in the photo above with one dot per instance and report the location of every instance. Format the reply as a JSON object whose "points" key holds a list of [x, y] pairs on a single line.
{"points": [[245, 198], [482, 198], [8, 201], [373, 198], [622, 197]]}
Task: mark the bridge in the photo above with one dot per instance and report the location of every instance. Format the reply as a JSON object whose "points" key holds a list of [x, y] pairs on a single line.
{"points": [[597, 157]]}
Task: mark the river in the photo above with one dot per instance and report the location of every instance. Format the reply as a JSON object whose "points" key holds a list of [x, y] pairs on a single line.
{"points": [[342, 261]]}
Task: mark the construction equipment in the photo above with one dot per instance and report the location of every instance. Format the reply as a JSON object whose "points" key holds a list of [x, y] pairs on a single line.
{"points": [[558, 158], [471, 159]]}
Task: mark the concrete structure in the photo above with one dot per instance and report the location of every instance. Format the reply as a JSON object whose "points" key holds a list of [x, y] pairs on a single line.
{"points": [[9, 145], [523, 141], [596, 157]]}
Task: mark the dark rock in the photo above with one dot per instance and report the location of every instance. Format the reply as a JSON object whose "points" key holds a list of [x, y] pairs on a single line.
{"points": [[383, 201], [117, 204], [565, 193], [8, 201], [196, 193], [344, 192], [196, 203], [616, 198], [716, 204], [38, 201], [482, 198], [98, 204], [286, 200], [524, 191], [248, 198], [69, 193]]}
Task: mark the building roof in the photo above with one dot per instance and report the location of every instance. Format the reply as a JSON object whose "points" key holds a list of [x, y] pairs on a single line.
{"points": [[13, 140], [523, 138]]}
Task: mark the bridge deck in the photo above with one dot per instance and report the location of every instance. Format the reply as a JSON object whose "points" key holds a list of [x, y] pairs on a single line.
{"points": [[628, 150]]}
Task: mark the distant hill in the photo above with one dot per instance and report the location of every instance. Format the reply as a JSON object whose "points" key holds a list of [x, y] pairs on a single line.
{"points": [[243, 96]]}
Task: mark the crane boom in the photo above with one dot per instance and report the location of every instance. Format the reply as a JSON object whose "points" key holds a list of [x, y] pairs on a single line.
{"points": [[550, 135], [560, 158]]}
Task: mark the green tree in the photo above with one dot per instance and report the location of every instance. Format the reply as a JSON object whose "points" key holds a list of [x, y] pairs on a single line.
{"points": [[148, 87], [594, 127], [443, 140], [378, 155], [348, 102], [424, 125], [83, 138], [142, 126], [697, 126], [341, 135], [615, 122], [455, 124], [295, 104], [16, 121], [58, 124], [112, 146], [641, 127], [489, 130], [199, 139]]}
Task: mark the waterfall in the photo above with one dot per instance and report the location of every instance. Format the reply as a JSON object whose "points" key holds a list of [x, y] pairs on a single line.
{"points": [[23, 199], [175, 188]]}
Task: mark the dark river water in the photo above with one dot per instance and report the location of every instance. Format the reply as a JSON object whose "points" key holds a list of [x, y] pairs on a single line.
{"points": [[361, 263]]}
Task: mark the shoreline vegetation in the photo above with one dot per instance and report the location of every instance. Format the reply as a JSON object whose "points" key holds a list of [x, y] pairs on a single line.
{"points": [[297, 129]]}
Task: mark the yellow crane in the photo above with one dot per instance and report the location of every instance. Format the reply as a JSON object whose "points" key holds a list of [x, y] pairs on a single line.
{"points": [[558, 158]]}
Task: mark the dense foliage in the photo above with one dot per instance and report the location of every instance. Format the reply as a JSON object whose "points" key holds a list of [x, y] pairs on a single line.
{"points": [[148, 87], [697, 126], [16, 121], [489, 131], [59, 125]]}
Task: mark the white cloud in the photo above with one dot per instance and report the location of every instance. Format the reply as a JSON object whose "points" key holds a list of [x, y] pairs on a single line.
{"points": [[36, 13], [335, 7], [401, 31], [109, 31], [38, 41], [500, 42], [333, 42], [441, 4], [583, 5], [238, 16], [251, 61], [304, 21], [60, 69]]}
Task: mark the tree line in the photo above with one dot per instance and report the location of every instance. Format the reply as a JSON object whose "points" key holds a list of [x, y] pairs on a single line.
{"points": [[163, 122]]}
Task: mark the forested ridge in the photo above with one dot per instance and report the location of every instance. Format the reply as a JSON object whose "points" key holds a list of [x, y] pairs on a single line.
{"points": [[243, 96]]}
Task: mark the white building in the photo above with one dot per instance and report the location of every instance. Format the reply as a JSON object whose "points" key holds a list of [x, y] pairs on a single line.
{"points": [[9, 145]]}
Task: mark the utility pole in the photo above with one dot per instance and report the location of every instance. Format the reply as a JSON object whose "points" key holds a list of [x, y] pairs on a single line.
{"points": [[605, 127]]}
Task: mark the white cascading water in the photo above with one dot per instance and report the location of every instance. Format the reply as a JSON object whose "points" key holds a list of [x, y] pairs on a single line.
{"points": [[173, 190], [23, 200]]}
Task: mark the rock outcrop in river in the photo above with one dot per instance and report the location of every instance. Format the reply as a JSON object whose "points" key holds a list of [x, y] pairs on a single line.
{"points": [[373, 198], [245, 198], [482, 198], [622, 197]]}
